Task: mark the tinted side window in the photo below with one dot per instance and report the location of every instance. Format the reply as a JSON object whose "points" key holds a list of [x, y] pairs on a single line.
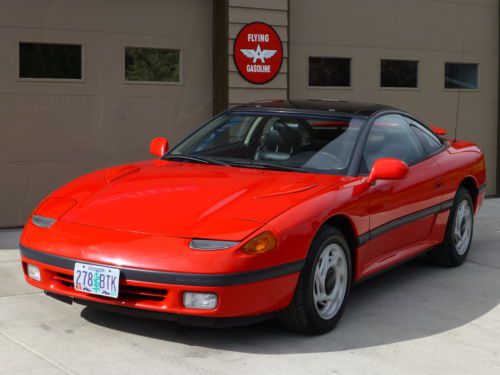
{"points": [[391, 137], [329, 71], [430, 142], [50, 61], [460, 76], [398, 73]]}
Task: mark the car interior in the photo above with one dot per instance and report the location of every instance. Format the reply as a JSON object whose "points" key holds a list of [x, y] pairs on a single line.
{"points": [[288, 141]]}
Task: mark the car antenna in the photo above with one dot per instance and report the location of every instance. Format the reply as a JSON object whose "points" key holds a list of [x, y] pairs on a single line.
{"points": [[457, 114]]}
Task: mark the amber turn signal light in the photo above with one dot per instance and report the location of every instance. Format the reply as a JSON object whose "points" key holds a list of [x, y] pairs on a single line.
{"points": [[264, 242]]}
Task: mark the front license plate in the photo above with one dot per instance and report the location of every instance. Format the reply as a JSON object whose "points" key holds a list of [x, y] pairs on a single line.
{"points": [[90, 278]]}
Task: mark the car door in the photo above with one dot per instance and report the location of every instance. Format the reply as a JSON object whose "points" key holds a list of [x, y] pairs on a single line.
{"points": [[401, 212]]}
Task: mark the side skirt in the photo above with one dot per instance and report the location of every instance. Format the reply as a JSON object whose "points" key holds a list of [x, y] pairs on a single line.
{"points": [[393, 266]]}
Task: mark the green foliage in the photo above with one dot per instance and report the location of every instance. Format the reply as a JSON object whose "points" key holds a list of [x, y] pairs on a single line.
{"points": [[152, 64]]}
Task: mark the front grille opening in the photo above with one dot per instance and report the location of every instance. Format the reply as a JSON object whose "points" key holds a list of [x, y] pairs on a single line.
{"points": [[66, 280], [126, 292], [142, 292]]}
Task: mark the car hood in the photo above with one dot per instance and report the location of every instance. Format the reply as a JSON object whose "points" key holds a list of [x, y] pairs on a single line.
{"points": [[193, 201]]}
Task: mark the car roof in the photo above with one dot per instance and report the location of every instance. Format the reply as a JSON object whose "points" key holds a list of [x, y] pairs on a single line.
{"points": [[316, 105]]}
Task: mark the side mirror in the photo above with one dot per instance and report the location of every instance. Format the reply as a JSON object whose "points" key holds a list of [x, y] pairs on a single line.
{"points": [[158, 146], [439, 131], [388, 169]]}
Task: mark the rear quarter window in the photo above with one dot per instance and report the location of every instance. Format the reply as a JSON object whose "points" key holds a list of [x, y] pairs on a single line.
{"points": [[430, 142]]}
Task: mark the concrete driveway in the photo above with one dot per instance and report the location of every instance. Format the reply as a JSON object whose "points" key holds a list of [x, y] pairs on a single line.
{"points": [[417, 319]]}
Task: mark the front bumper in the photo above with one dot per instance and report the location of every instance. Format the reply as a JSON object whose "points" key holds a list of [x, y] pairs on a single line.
{"points": [[253, 294], [187, 320]]}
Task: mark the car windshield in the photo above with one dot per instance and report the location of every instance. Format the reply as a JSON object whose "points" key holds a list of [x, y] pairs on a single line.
{"points": [[274, 141]]}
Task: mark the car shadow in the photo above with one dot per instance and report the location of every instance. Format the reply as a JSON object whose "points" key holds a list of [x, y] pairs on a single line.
{"points": [[413, 301]]}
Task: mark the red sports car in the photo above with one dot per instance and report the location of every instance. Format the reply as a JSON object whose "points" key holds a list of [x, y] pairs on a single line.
{"points": [[273, 209]]}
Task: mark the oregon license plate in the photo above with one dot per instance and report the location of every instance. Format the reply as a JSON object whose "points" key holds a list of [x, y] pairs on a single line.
{"points": [[95, 279]]}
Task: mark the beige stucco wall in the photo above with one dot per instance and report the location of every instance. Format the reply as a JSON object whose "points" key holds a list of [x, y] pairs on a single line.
{"points": [[51, 132], [430, 31], [274, 13]]}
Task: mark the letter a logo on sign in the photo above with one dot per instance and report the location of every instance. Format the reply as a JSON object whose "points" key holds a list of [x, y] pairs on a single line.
{"points": [[258, 53]]}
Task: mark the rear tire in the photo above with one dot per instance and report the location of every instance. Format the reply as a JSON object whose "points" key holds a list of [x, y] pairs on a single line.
{"points": [[459, 230], [323, 286]]}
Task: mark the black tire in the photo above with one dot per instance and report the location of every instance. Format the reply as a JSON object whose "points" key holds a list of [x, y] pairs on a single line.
{"points": [[301, 315], [446, 254]]}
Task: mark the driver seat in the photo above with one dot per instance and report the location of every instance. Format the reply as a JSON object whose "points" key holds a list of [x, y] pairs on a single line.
{"points": [[280, 143]]}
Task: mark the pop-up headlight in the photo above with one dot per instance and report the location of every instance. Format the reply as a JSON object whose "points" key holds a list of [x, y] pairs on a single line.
{"points": [[51, 210]]}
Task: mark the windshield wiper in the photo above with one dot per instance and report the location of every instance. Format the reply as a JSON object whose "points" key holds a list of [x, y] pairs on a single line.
{"points": [[264, 165], [255, 164], [196, 159]]}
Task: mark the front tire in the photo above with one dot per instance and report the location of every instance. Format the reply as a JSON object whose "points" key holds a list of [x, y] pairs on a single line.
{"points": [[323, 286], [459, 230]]}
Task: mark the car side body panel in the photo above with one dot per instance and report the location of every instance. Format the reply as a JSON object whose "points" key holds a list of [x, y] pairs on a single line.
{"points": [[460, 161]]}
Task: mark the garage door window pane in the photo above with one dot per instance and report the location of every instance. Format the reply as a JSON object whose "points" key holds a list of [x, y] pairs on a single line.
{"points": [[329, 71], [460, 76], [50, 61], [398, 73], [152, 64]]}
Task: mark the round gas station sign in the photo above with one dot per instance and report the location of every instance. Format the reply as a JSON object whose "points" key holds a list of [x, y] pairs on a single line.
{"points": [[258, 53]]}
